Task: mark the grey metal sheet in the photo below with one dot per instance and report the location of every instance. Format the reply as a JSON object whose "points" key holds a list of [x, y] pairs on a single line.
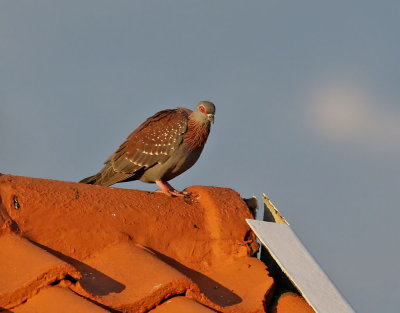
{"points": [[300, 267]]}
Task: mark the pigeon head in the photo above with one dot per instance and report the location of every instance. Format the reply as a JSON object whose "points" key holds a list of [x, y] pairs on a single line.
{"points": [[204, 112]]}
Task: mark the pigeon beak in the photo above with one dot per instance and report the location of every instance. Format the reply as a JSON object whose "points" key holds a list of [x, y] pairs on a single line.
{"points": [[210, 118]]}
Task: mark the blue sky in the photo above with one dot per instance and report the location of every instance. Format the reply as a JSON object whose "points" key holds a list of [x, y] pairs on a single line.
{"points": [[307, 105]]}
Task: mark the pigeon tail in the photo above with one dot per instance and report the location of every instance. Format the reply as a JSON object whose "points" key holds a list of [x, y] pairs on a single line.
{"points": [[91, 179], [107, 177]]}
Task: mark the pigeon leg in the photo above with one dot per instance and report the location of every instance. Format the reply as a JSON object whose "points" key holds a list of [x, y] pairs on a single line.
{"points": [[168, 189]]}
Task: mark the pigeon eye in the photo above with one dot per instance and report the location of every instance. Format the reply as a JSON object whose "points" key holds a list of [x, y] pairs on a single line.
{"points": [[202, 109]]}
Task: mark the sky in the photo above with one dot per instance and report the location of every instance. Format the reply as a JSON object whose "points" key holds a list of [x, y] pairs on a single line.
{"points": [[307, 109]]}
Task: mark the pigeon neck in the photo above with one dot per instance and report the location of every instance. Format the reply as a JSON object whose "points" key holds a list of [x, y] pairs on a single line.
{"points": [[196, 134]]}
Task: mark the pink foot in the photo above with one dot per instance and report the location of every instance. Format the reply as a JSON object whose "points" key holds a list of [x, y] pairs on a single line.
{"points": [[169, 190]]}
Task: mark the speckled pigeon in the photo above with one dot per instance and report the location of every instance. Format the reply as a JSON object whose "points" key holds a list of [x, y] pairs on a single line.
{"points": [[163, 147]]}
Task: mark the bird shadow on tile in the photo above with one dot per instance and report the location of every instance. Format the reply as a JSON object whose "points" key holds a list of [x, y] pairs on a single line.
{"points": [[212, 289], [93, 281]]}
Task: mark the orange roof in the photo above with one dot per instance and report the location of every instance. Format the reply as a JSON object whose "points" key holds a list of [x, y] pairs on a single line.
{"points": [[95, 249], [288, 301]]}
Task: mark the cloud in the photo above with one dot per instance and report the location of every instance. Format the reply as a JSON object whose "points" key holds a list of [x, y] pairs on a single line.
{"points": [[351, 113]]}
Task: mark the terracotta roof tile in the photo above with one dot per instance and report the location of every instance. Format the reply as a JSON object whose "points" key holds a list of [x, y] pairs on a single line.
{"points": [[25, 269], [60, 300], [181, 305], [288, 301], [133, 249], [141, 280]]}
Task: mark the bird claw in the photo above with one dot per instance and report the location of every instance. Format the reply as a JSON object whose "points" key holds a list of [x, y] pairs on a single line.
{"points": [[166, 188], [184, 193], [175, 193]]}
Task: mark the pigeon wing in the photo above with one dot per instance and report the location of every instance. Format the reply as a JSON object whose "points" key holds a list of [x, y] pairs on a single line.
{"points": [[151, 143]]}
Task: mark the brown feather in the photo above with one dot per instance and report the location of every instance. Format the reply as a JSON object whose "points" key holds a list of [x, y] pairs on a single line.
{"points": [[196, 135], [152, 142]]}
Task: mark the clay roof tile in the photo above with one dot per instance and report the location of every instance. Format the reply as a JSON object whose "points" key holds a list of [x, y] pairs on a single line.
{"points": [[60, 300], [181, 305], [128, 250], [26, 268]]}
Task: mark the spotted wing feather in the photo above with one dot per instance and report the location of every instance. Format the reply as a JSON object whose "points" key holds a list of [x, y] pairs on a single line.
{"points": [[152, 142]]}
